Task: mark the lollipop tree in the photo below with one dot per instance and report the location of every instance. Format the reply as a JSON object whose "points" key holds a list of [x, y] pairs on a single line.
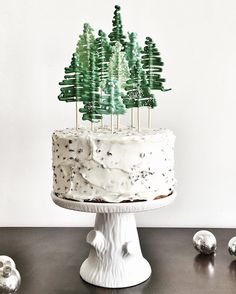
{"points": [[91, 97], [117, 31], [110, 76], [72, 84], [111, 103]]}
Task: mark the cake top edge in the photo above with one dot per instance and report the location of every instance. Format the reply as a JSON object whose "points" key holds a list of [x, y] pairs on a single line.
{"points": [[105, 133]]}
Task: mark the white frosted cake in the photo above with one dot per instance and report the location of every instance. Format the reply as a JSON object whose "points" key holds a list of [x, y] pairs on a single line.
{"points": [[124, 166]]}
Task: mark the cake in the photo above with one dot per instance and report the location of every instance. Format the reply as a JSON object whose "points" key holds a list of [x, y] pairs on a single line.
{"points": [[111, 76], [124, 166]]}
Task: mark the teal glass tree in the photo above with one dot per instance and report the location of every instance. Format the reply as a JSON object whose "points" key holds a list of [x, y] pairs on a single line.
{"points": [[117, 31], [91, 96], [84, 45], [72, 84], [111, 102]]}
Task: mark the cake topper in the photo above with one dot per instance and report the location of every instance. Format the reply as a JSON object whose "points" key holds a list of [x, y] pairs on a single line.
{"points": [[104, 51], [118, 68], [84, 46], [72, 84], [133, 51], [111, 103], [117, 31], [90, 94], [111, 77]]}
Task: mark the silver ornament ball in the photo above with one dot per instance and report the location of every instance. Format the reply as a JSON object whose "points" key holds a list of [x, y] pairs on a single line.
{"points": [[10, 279], [6, 260], [232, 246], [205, 242]]}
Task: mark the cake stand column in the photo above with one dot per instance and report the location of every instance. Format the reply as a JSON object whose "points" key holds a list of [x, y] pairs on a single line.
{"points": [[115, 259]]}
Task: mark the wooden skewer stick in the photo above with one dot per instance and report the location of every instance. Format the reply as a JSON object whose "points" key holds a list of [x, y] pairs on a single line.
{"points": [[100, 99], [149, 117], [132, 117], [118, 121], [138, 119], [76, 116], [112, 123]]}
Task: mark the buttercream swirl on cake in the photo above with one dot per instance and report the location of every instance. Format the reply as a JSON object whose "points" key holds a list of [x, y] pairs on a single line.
{"points": [[124, 166]]}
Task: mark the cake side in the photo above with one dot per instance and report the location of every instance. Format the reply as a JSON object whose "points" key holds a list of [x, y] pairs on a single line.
{"points": [[124, 166]]}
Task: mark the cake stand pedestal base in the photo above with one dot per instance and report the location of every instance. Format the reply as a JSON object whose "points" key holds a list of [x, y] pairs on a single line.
{"points": [[115, 259]]}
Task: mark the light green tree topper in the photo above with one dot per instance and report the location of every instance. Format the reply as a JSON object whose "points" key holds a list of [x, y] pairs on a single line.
{"points": [[84, 45], [104, 52], [118, 66], [133, 50], [111, 102], [91, 97], [138, 91]]}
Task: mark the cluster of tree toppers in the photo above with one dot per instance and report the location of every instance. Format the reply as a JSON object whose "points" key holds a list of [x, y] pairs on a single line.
{"points": [[112, 75]]}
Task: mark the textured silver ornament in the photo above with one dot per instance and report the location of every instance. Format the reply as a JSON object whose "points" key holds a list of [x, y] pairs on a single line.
{"points": [[232, 246], [205, 242], [6, 260], [10, 279]]}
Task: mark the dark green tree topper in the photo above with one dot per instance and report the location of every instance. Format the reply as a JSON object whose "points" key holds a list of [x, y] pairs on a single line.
{"points": [[91, 97], [72, 83], [138, 91], [84, 45], [117, 31], [152, 65], [132, 50], [111, 102], [104, 51]]}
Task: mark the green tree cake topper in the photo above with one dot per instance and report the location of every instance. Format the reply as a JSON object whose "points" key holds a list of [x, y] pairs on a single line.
{"points": [[91, 96], [138, 91], [133, 50], [153, 64], [84, 45], [72, 84], [111, 77], [117, 32], [118, 66], [104, 52], [111, 101], [119, 69]]}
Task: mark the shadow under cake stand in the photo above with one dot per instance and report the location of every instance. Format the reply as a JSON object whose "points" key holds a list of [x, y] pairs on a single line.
{"points": [[115, 259]]}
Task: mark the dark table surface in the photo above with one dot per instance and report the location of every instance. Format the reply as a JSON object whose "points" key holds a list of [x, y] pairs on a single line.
{"points": [[49, 260]]}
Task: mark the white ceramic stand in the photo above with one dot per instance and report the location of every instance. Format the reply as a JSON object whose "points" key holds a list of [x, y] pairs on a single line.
{"points": [[115, 259]]}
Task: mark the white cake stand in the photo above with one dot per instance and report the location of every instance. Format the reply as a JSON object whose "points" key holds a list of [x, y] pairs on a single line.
{"points": [[115, 259]]}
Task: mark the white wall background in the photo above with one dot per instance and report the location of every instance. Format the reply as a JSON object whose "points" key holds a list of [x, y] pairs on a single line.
{"points": [[197, 40]]}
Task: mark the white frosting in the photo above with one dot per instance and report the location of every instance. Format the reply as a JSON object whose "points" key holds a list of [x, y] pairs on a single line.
{"points": [[125, 165]]}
